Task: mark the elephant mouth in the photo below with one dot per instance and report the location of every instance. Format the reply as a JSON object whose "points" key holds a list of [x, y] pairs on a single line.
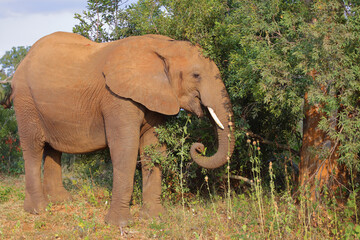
{"points": [[200, 113], [197, 106]]}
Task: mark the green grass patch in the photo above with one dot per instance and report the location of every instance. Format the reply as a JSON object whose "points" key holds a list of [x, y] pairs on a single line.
{"points": [[5, 193]]}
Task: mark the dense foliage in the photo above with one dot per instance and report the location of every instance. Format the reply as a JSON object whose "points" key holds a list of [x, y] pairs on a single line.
{"points": [[10, 153], [103, 21]]}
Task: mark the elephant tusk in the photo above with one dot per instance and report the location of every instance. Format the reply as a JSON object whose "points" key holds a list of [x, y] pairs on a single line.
{"points": [[216, 119]]}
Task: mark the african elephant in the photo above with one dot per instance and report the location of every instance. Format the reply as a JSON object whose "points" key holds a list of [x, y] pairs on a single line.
{"points": [[73, 95]]}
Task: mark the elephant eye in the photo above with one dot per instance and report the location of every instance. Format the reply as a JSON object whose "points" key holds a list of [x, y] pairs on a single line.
{"points": [[196, 75]]}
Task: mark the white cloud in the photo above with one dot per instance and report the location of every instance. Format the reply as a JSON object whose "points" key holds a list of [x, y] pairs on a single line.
{"points": [[25, 30], [23, 22], [11, 7]]}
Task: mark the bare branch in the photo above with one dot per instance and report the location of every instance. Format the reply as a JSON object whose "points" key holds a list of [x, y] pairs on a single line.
{"points": [[265, 141], [6, 80], [236, 177]]}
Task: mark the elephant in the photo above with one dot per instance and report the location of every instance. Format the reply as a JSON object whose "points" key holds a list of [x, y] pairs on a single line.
{"points": [[73, 95]]}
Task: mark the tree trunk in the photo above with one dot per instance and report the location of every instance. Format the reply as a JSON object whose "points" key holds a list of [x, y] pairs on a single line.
{"points": [[318, 155]]}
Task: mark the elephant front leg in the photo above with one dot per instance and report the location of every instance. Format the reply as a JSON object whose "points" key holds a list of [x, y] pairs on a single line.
{"points": [[123, 156], [124, 146], [52, 183], [151, 175]]}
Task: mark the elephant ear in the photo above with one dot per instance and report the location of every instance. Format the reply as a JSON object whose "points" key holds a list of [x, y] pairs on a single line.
{"points": [[137, 73]]}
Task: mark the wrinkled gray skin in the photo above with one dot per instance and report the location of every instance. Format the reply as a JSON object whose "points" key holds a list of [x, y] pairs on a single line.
{"points": [[76, 96]]}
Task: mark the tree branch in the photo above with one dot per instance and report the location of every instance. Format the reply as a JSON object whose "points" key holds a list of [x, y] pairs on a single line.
{"points": [[265, 141], [6, 80], [236, 177]]}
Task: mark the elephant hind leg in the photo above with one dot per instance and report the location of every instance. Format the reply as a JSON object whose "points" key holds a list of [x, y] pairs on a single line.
{"points": [[32, 144], [52, 182], [35, 200]]}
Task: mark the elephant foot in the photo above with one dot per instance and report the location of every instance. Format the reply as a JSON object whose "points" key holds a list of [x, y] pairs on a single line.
{"points": [[35, 206], [151, 211], [58, 195], [119, 220]]}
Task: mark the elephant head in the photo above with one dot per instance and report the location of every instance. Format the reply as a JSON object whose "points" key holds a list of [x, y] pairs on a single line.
{"points": [[165, 75]]}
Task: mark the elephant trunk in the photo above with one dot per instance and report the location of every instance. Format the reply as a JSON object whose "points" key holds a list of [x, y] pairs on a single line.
{"points": [[225, 132]]}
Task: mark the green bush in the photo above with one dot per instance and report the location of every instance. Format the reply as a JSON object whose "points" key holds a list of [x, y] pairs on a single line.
{"points": [[11, 161]]}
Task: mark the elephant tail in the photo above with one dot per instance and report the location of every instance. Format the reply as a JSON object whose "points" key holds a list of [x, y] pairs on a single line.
{"points": [[6, 99]]}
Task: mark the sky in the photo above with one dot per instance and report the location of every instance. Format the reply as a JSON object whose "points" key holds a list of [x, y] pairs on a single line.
{"points": [[23, 22]]}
